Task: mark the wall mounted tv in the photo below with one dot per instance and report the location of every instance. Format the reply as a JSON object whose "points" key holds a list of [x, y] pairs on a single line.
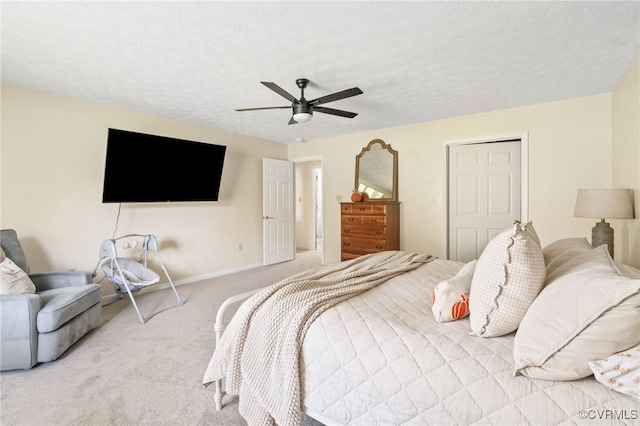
{"points": [[143, 168]]}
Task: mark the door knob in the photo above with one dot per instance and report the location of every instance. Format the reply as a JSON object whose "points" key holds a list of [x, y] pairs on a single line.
{"points": [[268, 217]]}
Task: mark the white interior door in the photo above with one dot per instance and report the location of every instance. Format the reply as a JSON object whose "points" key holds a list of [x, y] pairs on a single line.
{"points": [[278, 211], [484, 181]]}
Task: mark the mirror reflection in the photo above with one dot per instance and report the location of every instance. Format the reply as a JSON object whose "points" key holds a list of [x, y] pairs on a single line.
{"points": [[376, 171]]}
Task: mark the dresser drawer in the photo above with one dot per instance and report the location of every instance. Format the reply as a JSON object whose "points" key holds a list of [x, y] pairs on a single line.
{"points": [[370, 231], [374, 220], [350, 220], [362, 208], [363, 220], [348, 256], [379, 209], [346, 208], [363, 245]]}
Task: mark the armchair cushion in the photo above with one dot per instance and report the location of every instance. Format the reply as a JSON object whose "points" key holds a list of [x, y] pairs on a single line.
{"points": [[60, 305]]}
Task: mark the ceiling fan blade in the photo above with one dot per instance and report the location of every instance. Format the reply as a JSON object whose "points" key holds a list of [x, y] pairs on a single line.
{"points": [[280, 91], [332, 111], [256, 109], [292, 121], [336, 96]]}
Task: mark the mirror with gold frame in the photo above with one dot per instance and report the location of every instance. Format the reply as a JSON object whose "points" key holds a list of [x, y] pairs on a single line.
{"points": [[377, 171]]}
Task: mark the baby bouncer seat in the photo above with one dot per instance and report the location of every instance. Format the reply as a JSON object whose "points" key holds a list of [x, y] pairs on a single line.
{"points": [[130, 276]]}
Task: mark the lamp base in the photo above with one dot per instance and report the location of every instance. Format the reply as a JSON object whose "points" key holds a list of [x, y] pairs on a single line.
{"points": [[602, 234]]}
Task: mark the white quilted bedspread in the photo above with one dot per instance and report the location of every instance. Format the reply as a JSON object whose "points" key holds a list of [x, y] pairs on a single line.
{"points": [[380, 358]]}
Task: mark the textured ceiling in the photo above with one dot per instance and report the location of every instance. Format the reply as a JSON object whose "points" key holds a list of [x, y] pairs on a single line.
{"points": [[414, 61]]}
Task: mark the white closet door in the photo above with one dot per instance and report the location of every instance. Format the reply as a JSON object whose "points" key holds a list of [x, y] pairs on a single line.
{"points": [[484, 195]]}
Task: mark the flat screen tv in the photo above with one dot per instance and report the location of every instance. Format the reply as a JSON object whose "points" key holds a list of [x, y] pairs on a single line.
{"points": [[142, 168]]}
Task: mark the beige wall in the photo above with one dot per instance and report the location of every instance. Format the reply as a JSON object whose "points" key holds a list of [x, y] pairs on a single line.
{"points": [[53, 152], [626, 160], [569, 148]]}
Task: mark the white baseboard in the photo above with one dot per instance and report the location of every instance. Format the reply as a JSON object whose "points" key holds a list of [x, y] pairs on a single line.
{"points": [[163, 285]]}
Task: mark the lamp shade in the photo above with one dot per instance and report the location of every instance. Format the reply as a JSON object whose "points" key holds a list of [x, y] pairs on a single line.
{"points": [[302, 117], [604, 203]]}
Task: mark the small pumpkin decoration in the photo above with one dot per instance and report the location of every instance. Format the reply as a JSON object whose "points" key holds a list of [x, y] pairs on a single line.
{"points": [[461, 307], [356, 196]]}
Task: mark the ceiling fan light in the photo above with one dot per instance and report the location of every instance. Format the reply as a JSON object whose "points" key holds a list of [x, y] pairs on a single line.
{"points": [[302, 117]]}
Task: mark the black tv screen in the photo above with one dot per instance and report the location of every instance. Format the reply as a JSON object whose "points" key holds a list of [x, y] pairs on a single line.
{"points": [[147, 168]]}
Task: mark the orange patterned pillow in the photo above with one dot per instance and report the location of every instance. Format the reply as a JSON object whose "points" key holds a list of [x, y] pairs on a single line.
{"points": [[450, 298]]}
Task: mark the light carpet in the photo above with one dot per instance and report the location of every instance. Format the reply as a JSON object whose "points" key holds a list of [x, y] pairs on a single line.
{"points": [[127, 373]]}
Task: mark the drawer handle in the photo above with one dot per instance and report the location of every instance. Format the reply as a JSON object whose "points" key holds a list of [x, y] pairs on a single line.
{"points": [[351, 219], [362, 209], [374, 220], [347, 230], [347, 244], [379, 232], [379, 247]]}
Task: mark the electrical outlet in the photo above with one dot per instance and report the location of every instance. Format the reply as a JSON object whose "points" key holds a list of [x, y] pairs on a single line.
{"points": [[339, 198]]}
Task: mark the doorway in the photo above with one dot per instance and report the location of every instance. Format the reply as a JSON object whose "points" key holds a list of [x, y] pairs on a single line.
{"points": [[309, 205], [486, 189]]}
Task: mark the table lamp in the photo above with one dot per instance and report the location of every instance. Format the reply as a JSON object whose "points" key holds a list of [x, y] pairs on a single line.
{"points": [[604, 204]]}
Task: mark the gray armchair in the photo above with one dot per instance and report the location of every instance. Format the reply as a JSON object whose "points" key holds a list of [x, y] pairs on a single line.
{"points": [[40, 327]]}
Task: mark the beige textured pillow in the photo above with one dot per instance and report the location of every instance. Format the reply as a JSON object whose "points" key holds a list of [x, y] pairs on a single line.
{"points": [[14, 280], [586, 312], [450, 298], [509, 275], [559, 252]]}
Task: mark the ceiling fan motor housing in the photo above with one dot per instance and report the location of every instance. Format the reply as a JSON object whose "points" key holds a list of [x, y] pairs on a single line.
{"points": [[302, 107]]}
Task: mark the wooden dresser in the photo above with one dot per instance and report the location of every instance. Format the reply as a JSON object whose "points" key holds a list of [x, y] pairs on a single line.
{"points": [[369, 227]]}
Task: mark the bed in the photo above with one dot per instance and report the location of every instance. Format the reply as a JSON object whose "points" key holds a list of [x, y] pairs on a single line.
{"points": [[379, 356]]}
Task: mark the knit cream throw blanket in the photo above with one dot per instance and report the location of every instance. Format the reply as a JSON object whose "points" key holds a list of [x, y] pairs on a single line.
{"points": [[258, 353]]}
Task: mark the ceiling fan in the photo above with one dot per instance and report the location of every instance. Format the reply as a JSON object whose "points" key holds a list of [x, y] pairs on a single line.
{"points": [[302, 108]]}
